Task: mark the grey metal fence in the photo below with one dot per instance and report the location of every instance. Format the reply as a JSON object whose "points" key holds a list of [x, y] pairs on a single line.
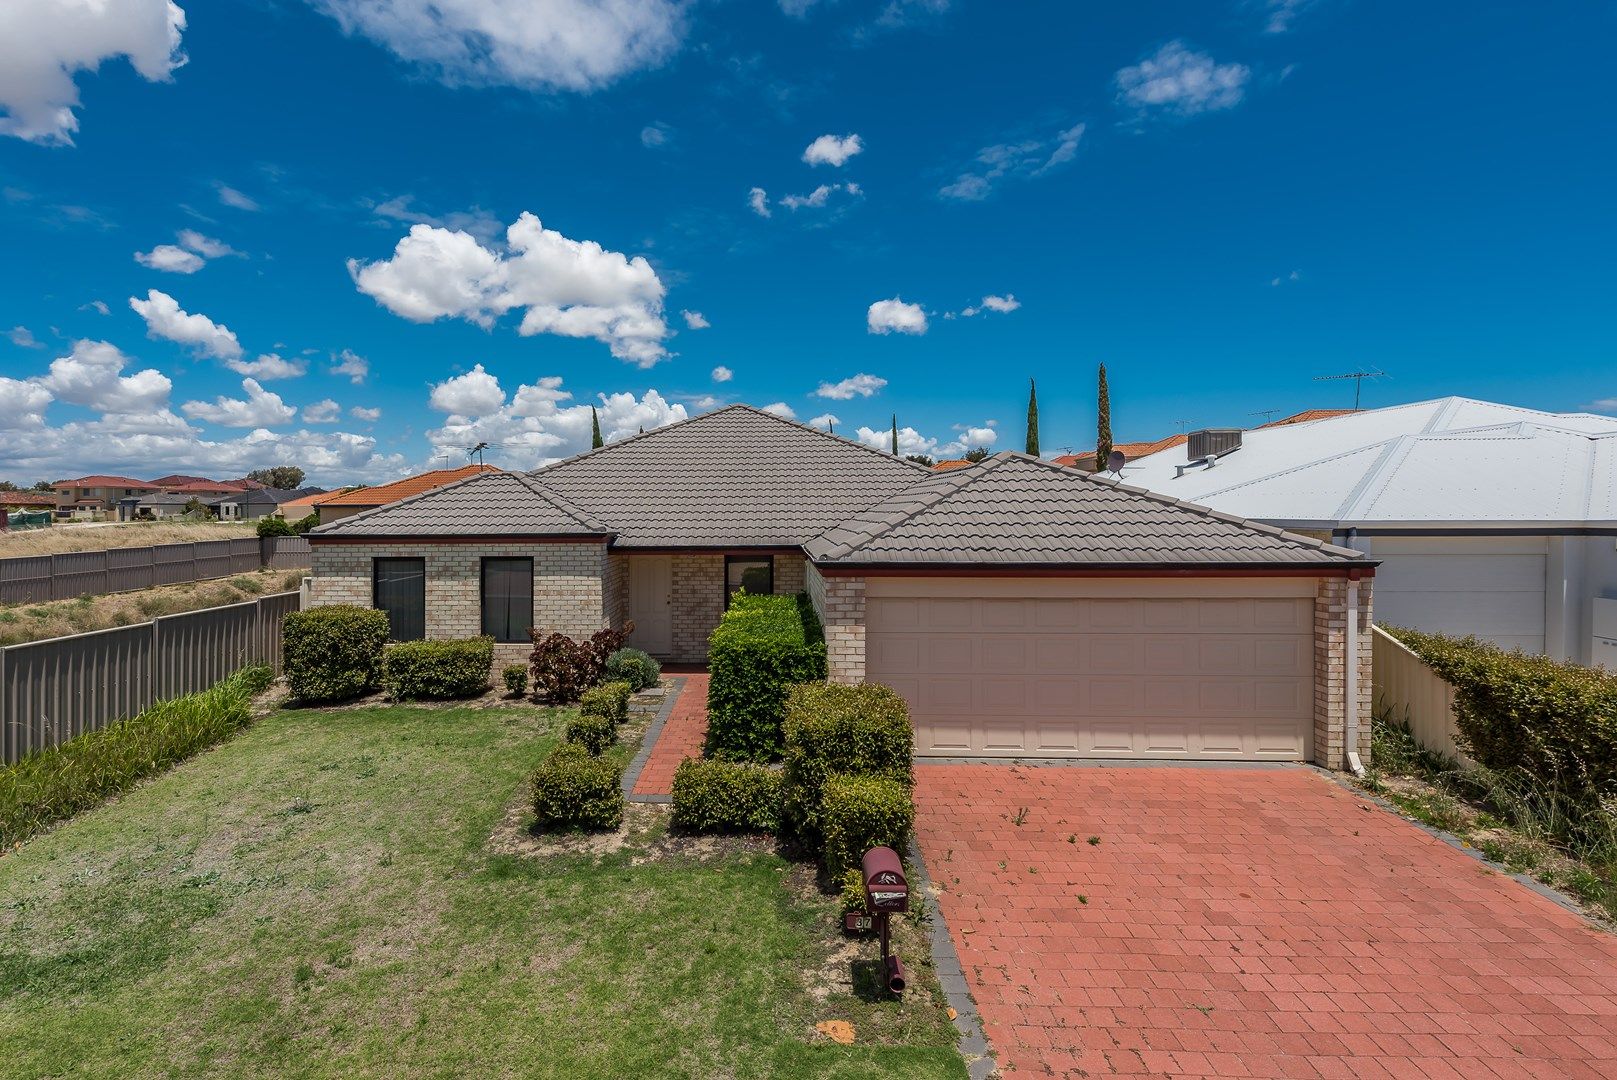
{"points": [[34, 579], [52, 690]]}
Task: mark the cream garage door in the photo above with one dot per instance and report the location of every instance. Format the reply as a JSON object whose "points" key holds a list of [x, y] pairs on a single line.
{"points": [[1143, 677]]}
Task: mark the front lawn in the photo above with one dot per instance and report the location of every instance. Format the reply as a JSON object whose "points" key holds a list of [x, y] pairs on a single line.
{"points": [[322, 897]]}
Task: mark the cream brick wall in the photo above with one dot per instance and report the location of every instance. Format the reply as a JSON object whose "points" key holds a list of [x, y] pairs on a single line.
{"points": [[1331, 628], [698, 586], [568, 585], [840, 604], [616, 588]]}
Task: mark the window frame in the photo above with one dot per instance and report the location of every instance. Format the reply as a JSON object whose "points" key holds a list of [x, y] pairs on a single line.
{"points": [[376, 585], [482, 598], [767, 558]]}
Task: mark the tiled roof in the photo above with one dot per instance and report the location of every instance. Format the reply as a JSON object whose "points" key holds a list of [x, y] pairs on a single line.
{"points": [[383, 494], [27, 498], [738, 476], [491, 504], [205, 487], [1307, 416], [1131, 450], [953, 463], [102, 480], [1015, 511]]}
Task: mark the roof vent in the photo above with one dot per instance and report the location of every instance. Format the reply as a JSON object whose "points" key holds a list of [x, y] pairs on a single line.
{"points": [[1205, 447]]}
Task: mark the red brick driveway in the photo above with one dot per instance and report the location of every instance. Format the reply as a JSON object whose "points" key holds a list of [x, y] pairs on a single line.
{"points": [[1249, 922]]}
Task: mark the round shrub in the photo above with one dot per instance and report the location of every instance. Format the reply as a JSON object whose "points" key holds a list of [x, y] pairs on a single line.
{"points": [[726, 796], [609, 700], [437, 670], [859, 813], [274, 526], [834, 728], [593, 732], [332, 653], [572, 790], [634, 667], [516, 679]]}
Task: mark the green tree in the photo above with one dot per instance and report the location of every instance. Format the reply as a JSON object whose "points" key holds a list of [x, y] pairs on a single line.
{"points": [[895, 433], [1032, 419], [920, 459], [596, 441], [283, 477], [1103, 420], [978, 454]]}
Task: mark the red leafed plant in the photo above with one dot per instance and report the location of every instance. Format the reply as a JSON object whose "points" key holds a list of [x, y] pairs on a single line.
{"points": [[563, 668]]}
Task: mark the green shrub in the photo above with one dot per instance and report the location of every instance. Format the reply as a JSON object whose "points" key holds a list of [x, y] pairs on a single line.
{"points": [[274, 526], [593, 732], [1553, 720], [610, 700], [304, 524], [332, 653], [761, 646], [851, 894], [437, 670], [58, 783], [634, 667], [862, 812], [831, 728], [516, 679], [572, 790], [726, 796]]}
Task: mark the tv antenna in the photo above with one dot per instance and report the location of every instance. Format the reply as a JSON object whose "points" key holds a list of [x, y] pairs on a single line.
{"points": [[1358, 378], [1183, 424], [1267, 414], [477, 451]]}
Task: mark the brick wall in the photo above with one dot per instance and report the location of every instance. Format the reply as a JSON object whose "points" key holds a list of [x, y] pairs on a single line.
{"points": [[840, 604], [567, 587], [616, 588], [1331, 628], [698, 586]]}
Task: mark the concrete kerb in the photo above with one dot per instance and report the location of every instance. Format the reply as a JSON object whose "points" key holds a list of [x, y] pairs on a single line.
{"points": [[648, 742], [973, 1044]]}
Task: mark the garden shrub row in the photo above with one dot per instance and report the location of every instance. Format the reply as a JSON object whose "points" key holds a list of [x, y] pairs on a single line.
{"points": [[726, 797], [54, 784], [593, 732], [609, 700], [762, 646], [332, 653], [858, 813], [833, 728], [437, 670], [1553, 720], [574, 789]]}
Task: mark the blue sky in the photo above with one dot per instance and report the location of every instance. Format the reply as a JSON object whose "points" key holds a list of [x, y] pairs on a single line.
{"points": [[1220, 200]]}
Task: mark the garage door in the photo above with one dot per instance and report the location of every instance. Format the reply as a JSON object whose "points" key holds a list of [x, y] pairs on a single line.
{"points": [[1168, 677], [1498, 597]]}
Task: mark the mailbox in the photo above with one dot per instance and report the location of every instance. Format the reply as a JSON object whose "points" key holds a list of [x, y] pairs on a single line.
{"points": [[885, 886]]}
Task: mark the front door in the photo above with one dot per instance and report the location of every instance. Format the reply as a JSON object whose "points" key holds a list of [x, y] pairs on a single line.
{"points": [[651, 599]]}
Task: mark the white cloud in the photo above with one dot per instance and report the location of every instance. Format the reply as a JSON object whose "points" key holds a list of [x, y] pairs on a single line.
{"points": [[1024, 159], [233, 198], [1603, 404], [206, 246], [797, 9], [578, 45], [165, 320], [268, 366], [910, 441], [261, 408], [702, 402], [895, 316], [1286, 279], [860, 385], [24, 338], [695, 320], [654, 135], [476, 393], [477, 221], [782, 410], [92, 376], [22, 406], [825, 421], [99, 306], [1181, 81], [968, 437], [1004, 305], [322, 412], [1282, 13], [758, 199], [44, 44], [360, 412], [570, 288], [831, 150], [819, 196], [722, 374], [173, 260], [351, 364]]}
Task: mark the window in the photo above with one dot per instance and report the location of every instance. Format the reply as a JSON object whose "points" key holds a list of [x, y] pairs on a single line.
{"points": [[754, 573], [399, 587], [507, 598]]}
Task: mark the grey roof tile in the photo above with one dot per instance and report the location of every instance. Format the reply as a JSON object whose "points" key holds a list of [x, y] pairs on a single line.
{"points": [[1017, 510], [490, 504]]}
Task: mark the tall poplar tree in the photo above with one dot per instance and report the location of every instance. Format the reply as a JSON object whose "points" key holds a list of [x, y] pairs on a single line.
{"points": [[1032, 419], [1103, 422], [596, 441], [895, 434]]}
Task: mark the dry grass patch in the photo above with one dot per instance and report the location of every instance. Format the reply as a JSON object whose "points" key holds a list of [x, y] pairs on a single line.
{"points": [[59, 539], [57, 618]]}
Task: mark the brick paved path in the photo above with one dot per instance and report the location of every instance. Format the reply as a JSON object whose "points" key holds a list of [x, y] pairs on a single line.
{"points": [[681, 738]]}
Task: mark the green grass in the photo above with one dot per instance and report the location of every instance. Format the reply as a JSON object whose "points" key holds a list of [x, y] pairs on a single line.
{"points": [[320, 897]]}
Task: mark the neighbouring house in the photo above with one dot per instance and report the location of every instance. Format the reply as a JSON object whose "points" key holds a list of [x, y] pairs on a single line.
{"points": [[98, 492], [342, 504], [258, 502], [28, 500], [156, 506], [953, 463], [1487, 519], [1132, 450], [1023, 609]]}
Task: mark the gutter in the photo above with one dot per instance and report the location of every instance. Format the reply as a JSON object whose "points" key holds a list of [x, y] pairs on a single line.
{"points": [[1351, 680]]}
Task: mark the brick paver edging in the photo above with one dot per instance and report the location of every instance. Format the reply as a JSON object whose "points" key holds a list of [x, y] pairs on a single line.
{"points": [[973, 1044], [648, 743]]}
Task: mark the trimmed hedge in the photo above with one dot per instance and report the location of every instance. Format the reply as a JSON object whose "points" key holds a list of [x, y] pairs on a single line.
{"points": [[634, 667], [572, 790], [862, 812], [54, 784], [332, 653], [726, 796], [832, 728], [516, 679], [609, 700], [1554, 720], [762, 646], [437, 670], [593, 732]]}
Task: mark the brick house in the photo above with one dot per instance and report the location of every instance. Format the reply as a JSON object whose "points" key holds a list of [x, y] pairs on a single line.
{"points": [[1023, 609]]}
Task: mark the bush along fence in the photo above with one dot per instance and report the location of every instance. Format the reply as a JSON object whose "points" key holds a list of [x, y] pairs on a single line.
{"points": [[55, 690], [762, 645], [36, 579]]}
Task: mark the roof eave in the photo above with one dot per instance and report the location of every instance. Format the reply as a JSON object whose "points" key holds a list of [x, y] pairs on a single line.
{"points": [[1355, 568]]}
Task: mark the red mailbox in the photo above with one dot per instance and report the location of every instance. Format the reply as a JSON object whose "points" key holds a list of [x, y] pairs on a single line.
{"points": [[886, 888]]}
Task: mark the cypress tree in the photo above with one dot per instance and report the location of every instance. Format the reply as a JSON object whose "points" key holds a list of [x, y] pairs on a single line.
{"points": [[895, 434], [1032, 419], [596, 442], [1103, 433]]}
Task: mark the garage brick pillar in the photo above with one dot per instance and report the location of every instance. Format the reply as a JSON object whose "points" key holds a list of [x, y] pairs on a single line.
{"points": [[1332, 625], [843, 610]]}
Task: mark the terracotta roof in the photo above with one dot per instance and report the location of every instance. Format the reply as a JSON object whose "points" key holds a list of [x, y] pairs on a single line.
{"points": [[1131, 450], [382, 494], [27, 498], [953, 463], [180, 478], [1018, 511], [492, 504], [103, 480], [1307, 416], [203, 487]]}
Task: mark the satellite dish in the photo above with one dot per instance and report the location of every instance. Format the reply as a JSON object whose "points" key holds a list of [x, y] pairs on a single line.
{"points": [[1115, 461]]}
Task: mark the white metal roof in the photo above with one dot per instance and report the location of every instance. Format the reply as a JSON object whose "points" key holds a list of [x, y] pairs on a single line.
{"points": [[1450, 460]]}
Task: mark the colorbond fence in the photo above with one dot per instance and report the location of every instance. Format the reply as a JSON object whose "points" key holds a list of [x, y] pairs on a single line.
{"points": [[52, 690], [35, 579], [1410, 692]]}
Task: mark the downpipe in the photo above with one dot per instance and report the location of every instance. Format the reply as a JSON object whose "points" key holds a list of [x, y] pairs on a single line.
{"points": [[1351, 680]]}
